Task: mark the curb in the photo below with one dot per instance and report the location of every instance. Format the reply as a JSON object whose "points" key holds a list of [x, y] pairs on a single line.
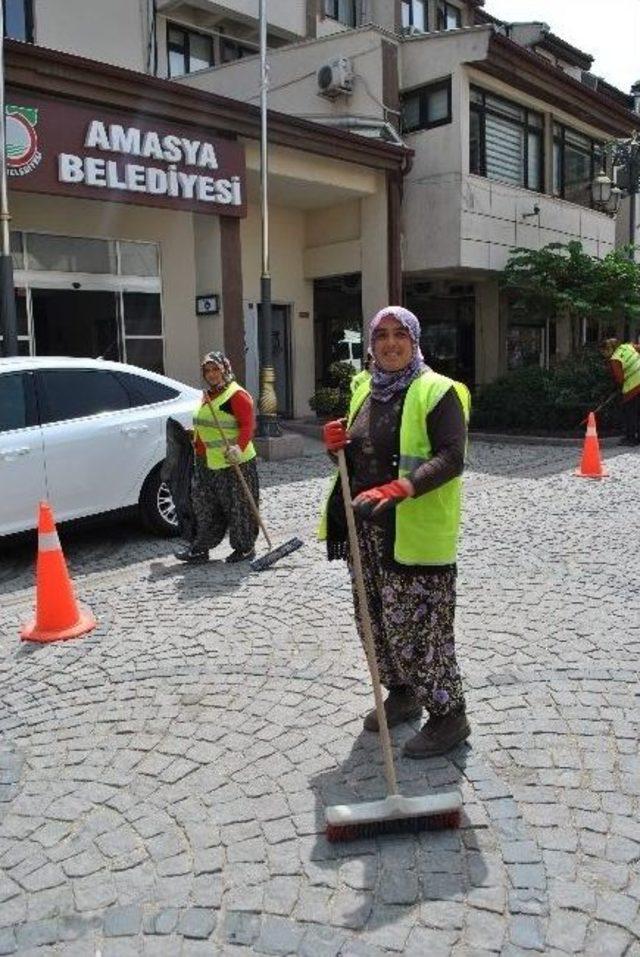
{"points": [[313, 431]]}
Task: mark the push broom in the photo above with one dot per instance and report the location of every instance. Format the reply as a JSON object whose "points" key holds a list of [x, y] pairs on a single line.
{"points": [[395, 813], [274, 554]]}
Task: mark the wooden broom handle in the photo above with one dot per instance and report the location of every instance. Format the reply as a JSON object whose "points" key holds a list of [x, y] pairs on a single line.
{"points": [[238, 471], [367, 628]]}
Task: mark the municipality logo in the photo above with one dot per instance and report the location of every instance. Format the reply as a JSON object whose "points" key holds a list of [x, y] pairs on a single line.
{"points": [[23, 155]]}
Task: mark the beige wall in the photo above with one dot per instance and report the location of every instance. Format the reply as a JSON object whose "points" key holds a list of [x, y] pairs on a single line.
{"points": [[112, 32], [477, 220], [288, 287], [172, 230], [288, 16], [208, 270], [293, 87]]}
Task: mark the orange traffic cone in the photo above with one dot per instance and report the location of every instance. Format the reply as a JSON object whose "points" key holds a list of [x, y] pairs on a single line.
{"points": [[591, 463], [58, 615]]}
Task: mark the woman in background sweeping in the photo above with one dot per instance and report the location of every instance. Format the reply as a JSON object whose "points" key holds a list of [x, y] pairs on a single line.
{"points": [[405, 448], [218, 501]]}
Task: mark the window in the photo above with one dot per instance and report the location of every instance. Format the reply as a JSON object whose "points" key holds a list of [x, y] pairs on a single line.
{"points": [[18, 19], [344, 11], [449, 17], [188, 51], [234, 50], [427, 107], [414, 15], [576, 160], [145, 391], [506, 141], [139, 259], [71, 254], [13, 403], [76, 393], [142, 315]]}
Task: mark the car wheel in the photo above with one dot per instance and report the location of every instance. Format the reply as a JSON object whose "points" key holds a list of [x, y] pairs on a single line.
{"points": [[156, 506]]}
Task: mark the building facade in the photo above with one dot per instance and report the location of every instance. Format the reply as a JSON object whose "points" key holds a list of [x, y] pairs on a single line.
{"points": [[499, 129], [136, 223]]}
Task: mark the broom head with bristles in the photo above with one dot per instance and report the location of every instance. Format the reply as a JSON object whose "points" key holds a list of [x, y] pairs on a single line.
{"points": [[266, 561], [395, 814]]}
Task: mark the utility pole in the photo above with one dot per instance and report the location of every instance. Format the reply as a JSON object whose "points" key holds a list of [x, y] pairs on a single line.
{"points": [[8, 321], [268, 403]]}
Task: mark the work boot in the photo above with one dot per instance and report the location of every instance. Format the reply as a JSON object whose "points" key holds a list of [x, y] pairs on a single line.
{"points": [[194, 556], [438, 736], [238, 556], [400, 705]]}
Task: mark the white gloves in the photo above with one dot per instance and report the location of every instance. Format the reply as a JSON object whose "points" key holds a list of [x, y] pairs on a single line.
{"points": [[233, 454]]}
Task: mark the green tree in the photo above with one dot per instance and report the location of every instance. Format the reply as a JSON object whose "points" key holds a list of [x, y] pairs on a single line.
{"points": [[563, 280]]}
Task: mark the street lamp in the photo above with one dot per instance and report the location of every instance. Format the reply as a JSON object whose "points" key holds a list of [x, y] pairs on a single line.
{"points": [[625, 161], [8, 322], [268, 402], [605, 196]]}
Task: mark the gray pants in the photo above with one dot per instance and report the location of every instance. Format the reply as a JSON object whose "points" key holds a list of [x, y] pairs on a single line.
{"points": [[220, 505]]}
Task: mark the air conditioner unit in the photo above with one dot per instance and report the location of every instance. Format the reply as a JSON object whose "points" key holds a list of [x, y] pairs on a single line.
{"points": [[412, 32], [335, 78]]}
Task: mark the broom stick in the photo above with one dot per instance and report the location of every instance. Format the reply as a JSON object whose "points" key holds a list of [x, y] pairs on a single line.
{"points": [[238, 471], [367, 628]]}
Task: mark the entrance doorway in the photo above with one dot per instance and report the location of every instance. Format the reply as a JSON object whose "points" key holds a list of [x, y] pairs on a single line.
{"points": [[337, 322], [89, 297], [281, 350], [447, 324], [75, 323]]}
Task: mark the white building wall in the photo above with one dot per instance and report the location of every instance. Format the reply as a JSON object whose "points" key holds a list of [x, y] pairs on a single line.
{"points": [[293, 86], [112, 32], [289, 16]]}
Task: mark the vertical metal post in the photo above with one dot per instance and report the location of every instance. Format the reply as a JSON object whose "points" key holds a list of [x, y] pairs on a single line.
{"points": [[268, 404], [8, 321]]}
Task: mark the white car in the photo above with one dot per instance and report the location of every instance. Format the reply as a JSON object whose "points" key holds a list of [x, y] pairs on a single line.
{"points": [[87, 436]]}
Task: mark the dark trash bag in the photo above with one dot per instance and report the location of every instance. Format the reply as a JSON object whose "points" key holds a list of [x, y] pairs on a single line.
{"points": [[177, 471]]}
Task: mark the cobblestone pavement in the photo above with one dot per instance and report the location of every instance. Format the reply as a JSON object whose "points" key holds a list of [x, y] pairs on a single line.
{"points": [[162, 781]]}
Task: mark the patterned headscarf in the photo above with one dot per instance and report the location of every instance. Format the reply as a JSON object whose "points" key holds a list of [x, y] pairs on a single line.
{"points": [[220, 360], [386, 385]]}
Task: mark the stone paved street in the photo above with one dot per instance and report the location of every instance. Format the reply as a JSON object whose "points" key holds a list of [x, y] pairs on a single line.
{"points": [[162, 781]]}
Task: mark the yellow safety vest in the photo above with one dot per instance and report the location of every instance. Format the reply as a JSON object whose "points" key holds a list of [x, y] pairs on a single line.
{"points": [[206, 430], [426, 527], [627, 355]]}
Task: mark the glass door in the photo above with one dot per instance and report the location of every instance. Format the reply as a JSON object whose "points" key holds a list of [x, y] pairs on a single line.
{"points": [[75, 323]]}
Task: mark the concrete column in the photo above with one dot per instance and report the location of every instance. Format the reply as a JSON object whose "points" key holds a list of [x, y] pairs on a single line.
{"points": [[564, 344], [487, 331], [375, 253]]}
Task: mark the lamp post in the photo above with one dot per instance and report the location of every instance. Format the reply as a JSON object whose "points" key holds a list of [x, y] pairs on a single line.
{"points": [[606, 197], [625, 161], [8, 322], [268, 402]]}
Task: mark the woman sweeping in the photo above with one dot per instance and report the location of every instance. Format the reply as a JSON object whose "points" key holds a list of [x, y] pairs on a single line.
{"points": [[218, 500], [405, 441]]}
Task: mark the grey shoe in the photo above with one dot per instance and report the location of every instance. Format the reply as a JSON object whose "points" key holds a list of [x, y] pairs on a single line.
{"points": [[399, 706], [438, 736]]}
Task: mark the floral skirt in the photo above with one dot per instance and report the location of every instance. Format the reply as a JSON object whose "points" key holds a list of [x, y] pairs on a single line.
{"points": [[412, 612]]}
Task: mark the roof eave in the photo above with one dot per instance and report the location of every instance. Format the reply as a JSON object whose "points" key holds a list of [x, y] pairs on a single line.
{"points": [[531, 73]]}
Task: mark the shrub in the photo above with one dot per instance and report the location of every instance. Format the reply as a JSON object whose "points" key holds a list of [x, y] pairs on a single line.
{"points": [[554, 400], [333, 400]]}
